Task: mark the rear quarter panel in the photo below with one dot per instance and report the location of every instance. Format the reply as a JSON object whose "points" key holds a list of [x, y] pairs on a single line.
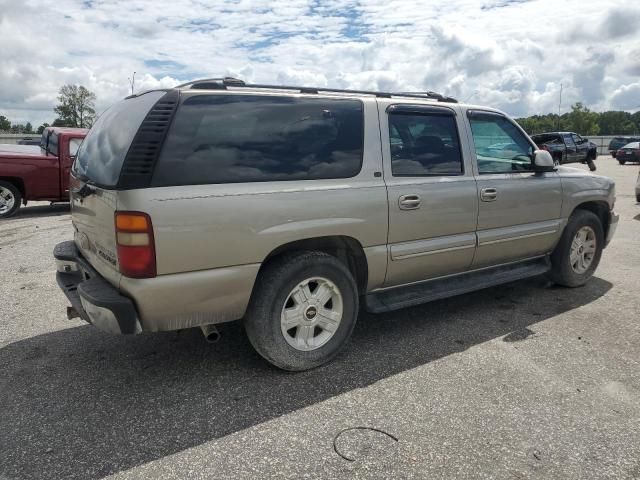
{"points": [[221, 225]]}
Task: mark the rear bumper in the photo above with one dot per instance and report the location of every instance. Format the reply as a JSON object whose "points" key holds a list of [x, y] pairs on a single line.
{"points": [[91, 296]]}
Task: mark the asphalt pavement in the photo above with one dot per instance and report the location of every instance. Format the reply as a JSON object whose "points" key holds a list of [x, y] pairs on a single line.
{"points": [[524, 380]]}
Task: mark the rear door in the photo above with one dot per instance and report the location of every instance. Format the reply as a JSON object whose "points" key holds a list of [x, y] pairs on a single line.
{"points": [[95, 178], [572, 150], [519, 209], [432, 193]]}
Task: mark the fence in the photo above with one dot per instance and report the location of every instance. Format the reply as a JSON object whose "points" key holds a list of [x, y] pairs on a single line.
{"points": [[14, 138]]}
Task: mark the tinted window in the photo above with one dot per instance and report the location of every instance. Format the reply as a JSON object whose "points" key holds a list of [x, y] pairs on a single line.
{"points": [[246, 138], [500, 146], [53, 144], [102, 152], [423, 145]]}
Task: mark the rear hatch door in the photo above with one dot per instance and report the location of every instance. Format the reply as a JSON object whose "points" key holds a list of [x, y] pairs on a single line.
{"points": [[94, 181]]}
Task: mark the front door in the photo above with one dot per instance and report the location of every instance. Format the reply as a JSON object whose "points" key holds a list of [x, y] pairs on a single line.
{"points": [[432, 194], [519, 208]]}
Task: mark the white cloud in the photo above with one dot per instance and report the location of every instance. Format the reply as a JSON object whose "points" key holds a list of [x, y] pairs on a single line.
{"points": [[512, 53]]}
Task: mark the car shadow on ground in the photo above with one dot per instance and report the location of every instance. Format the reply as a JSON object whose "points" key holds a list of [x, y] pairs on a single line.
{"points": [[78, 403], [39, 211]]}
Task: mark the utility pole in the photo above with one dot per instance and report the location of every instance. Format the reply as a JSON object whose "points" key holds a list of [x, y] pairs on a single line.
{"points": [[132, 82], [559, 105]]}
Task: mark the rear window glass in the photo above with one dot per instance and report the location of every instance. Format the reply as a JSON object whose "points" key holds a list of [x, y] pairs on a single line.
{"points": [[250, 138], [546, 138], [102, 152], [53, 144], [74, 144], [44, 138]]}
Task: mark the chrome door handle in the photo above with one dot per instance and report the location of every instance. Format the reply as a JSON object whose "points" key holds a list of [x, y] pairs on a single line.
{"points": [[409, 202], [488, 194]]}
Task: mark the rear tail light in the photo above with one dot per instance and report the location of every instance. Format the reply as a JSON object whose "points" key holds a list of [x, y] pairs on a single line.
{"points": [[136, 249]]}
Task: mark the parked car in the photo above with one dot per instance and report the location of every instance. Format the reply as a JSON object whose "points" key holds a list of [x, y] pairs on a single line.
{"points": [[29, 141], [293, 208], [29, 172], [638, 188], [629, 153], [567, 147], [618, 142]]}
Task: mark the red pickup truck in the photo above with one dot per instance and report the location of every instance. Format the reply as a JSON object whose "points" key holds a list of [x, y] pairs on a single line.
{"points": [[38, 172]]}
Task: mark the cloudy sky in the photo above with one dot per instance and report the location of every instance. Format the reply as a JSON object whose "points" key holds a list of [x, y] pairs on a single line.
{"points": [[510, 54]]}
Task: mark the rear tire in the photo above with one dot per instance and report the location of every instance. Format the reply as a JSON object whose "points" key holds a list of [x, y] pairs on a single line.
{"points": [[10, 199], [290, 292], [622, 162], [578, 253]]}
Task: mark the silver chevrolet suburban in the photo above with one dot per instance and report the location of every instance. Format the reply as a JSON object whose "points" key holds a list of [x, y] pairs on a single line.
{"points": [[292, 208]]}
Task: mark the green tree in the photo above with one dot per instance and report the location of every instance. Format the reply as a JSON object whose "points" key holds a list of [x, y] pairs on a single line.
{"points": [[28, 128], [615, 122], [76, 107], [581, 120], [42, 127], [5, 124], [539, 123]]}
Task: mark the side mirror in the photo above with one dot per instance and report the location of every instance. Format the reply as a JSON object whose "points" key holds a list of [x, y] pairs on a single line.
{"points": [[543, 161]]}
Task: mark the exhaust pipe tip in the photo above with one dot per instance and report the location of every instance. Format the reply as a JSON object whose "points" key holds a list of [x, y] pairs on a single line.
{"points": [[211, 333]]}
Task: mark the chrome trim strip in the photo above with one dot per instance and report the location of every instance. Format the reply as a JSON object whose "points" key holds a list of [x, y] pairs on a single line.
{"points": [[519, 237], [432, 252]]}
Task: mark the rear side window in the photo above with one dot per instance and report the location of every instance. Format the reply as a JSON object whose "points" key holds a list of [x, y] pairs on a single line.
{"points": [[102, 152], [250, 138], [424, 145]]}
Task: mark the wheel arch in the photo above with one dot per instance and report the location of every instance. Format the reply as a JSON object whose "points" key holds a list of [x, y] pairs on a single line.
{"points": [[601, 209], [346, 249], [19, 184]]}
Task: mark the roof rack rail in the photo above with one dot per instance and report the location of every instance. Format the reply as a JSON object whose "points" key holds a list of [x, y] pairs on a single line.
{"points": [[219, 83], [223, 83], [430, 94]]}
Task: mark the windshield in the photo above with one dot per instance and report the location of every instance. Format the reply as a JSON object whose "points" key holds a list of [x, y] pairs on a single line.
{"points": [[102, 152]]}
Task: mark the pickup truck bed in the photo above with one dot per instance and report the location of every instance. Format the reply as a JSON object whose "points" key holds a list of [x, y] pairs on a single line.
{"points": [[29, 172]]}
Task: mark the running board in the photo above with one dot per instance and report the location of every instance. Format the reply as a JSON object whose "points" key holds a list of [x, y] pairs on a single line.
{"points": [[423, 292]]}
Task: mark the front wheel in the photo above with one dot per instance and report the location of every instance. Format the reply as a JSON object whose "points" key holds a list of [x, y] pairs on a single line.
{"points": [[622, 162], [10, 199], [591, 164], [578, 253], [303, 310]]}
